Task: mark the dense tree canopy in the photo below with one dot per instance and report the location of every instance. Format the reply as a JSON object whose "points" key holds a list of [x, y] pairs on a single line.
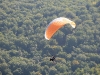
{"points": [[25, 51]]}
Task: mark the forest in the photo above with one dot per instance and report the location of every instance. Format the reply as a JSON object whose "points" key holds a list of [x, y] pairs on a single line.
{"points": [[24, 49]]}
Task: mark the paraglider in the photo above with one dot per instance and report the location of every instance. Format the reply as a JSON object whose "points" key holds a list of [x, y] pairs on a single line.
{"points": [[55, 25], [52, 58]]}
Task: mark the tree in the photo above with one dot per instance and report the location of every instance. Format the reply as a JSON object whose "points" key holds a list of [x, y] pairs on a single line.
{"points": [[53, 71], [75, 65], [98, 4]]}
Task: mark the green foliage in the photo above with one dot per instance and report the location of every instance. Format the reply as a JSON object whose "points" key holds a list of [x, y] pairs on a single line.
{"points": [[24, 50]]}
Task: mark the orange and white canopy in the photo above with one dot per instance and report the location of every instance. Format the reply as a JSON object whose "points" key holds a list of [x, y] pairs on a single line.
{"points": [[55, 25]]}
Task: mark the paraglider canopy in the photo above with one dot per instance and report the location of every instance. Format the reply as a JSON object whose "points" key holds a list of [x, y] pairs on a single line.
{"points": [[55, 25]]}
